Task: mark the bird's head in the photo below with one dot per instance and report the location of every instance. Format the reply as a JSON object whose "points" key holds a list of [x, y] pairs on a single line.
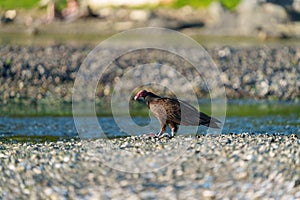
{"points": [[142, 93]]}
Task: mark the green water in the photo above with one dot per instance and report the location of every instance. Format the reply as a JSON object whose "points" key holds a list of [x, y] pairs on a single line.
{"points": [[238, 109], [51, 122], [44, 39], [48, 38]]}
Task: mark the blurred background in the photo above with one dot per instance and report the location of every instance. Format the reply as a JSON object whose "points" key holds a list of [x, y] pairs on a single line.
{"points": [[260, 19], [255, 44]]}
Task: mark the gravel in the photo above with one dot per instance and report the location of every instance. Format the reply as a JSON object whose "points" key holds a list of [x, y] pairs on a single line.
{"points": [[48, 73], [231, 166]]}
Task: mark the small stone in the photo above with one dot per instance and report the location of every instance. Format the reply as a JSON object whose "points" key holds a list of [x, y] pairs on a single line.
{"points": [[208, 194], [139, 15]]}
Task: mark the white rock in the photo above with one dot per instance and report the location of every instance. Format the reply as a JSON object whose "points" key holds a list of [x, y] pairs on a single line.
{"points": [[139, 15], [10, 14]]}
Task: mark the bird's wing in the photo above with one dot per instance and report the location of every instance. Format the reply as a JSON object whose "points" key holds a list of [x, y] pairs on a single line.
{"points": [[158, 109], [179, 112], [190, 116], [174, 110], [185, 114]]}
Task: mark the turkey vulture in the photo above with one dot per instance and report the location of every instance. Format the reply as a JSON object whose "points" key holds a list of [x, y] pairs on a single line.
{"points": [[168, 112]]}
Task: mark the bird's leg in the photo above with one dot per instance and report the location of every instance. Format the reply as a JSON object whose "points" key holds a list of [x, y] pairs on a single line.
{"points": [[162, 130], [174, 129], [173, 132]]}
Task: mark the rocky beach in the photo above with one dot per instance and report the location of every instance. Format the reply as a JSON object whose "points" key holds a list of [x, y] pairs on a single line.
{"points": [[232, 166], [255, 48]]}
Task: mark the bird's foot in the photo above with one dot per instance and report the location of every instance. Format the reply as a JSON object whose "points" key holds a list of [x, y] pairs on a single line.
{"points": [[162, 135], [149, 135], [158, 135]]}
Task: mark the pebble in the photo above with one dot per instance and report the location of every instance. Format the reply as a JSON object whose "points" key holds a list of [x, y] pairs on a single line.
{"points": [[210, 168]]}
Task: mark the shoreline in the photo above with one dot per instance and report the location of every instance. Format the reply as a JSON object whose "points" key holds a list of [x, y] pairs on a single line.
{"points": [[237, 107], [17, 38]]}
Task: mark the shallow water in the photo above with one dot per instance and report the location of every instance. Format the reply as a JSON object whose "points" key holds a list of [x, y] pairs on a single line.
{"points": [[65, 126], [94, 39]]}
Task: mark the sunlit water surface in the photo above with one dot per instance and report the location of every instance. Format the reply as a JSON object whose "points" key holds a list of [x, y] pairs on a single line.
{"points": [[65, 126]]}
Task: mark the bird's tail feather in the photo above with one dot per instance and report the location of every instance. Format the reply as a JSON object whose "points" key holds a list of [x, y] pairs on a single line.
{"points": [[208, 121]]}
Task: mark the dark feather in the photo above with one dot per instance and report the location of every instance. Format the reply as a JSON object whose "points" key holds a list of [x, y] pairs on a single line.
{"points": [[176, 112]]}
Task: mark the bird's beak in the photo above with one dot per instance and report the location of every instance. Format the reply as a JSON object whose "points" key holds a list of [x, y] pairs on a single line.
{"points": [[136, 97]]}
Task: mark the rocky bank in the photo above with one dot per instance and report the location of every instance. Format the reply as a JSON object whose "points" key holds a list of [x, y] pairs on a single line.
{"points": [[48, 73]]}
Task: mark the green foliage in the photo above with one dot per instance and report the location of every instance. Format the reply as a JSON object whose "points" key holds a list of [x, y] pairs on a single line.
{"points": [[13, 4], [61, 4], [28, 4], [193, 3], [229, 4]]}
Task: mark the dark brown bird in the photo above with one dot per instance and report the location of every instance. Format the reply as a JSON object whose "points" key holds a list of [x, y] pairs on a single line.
{"points": [[174, 112]]}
